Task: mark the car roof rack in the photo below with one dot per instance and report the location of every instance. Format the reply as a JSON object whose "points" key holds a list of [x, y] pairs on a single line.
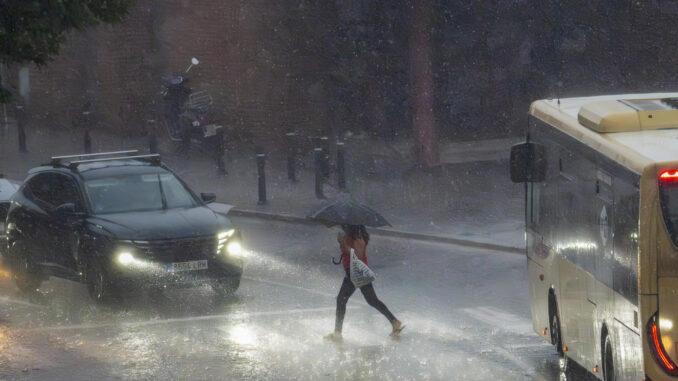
{"points": [[152, 158], [58, 160], [103, 157]]}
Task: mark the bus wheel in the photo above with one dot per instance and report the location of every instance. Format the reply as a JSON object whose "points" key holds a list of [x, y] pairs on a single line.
{"points": [[557, 339], [608, 361]]}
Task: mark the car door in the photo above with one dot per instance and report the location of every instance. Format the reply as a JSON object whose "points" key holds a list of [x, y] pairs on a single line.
{"points": [[35, 217], [62, 227]]}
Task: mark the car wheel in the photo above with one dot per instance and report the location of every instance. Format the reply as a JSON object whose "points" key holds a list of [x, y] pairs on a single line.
{"points": [[25, 276], [99, 284], [226, 287], [608, 361]]}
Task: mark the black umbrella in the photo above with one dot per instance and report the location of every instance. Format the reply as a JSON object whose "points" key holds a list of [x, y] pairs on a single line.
{"points": [[348, 212]]}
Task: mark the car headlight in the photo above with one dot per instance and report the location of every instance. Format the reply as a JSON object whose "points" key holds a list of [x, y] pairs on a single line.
{"points": [[126, 258], [235, 249], [223, 237]]}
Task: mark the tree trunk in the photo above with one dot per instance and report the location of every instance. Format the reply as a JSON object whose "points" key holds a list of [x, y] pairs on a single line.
{"points": [[421, 84]]}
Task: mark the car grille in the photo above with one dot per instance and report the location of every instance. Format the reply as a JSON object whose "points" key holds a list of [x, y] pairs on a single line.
{"points": [[178, 250]]}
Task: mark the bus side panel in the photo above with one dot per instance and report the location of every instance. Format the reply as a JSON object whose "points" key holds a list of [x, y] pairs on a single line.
{"points": [[626, 340], [539, 290], [577, 313]]}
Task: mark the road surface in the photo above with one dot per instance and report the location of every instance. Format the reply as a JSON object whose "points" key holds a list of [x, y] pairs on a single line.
{"points": [[465, 310]]}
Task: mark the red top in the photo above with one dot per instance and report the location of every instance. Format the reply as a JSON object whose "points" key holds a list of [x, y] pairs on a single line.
{"points": [[357, 245]]}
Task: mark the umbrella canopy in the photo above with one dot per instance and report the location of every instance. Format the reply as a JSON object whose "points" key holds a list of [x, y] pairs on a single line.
{"points": [[348, 212]]}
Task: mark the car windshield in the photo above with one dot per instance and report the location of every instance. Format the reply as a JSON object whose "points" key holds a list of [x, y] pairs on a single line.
{"points": [[137, 192]]}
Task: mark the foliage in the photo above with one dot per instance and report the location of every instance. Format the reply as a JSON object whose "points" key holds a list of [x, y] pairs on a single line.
{"points": [[31, 31]]}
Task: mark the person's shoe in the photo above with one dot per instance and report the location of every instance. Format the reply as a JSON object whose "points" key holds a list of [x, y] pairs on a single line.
{"points": [[397, 328], [334, 336]]}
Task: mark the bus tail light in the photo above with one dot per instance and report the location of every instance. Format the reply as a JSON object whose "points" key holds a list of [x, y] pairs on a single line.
{"points": [[669, 176], [655, 341]]}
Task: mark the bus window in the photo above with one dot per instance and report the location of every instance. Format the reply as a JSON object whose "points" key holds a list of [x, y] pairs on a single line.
{"points": [[625, 271]]}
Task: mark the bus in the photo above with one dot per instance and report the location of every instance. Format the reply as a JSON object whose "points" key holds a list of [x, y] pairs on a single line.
{"points": [[601, 218]]}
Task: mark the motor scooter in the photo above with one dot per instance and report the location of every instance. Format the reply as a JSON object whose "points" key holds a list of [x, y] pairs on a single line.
{"points": [[186, 118]]}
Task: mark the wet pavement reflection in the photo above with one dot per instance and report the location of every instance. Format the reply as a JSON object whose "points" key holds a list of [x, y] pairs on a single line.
{"points": [[461, 324]]}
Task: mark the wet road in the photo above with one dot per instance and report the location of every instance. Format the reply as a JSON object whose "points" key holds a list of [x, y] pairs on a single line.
{"points": [[465, 310]]}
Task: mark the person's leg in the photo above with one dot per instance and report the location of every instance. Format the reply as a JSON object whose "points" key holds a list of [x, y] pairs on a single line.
{"points": [[371, 298], [345, 292]]}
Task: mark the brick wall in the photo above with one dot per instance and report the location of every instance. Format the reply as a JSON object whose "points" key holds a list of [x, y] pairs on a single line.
{"points": [[120, 68]]}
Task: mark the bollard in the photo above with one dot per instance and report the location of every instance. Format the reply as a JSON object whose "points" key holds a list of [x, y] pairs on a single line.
{"points": [[325, 163], [219, 152], [88, 142], [318, 153], [21, 122], [341, 169], [291, 156], [152, 138], [261, 163], [22, 138]]}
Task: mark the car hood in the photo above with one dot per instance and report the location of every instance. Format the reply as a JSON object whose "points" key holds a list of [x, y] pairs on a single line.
{"points": [[162, 224]]}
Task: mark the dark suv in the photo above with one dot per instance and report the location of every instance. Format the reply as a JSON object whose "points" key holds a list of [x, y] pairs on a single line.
{"points": [[118, 222]]}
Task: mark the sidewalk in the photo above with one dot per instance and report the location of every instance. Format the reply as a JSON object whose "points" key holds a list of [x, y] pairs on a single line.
{"points": [[468, 200]]}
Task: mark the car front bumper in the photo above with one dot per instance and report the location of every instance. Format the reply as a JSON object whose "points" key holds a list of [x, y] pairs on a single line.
{"points": [[159, 275]]}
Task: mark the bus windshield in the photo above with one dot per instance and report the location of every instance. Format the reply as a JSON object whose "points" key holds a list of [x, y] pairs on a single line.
{"points": [[668, 193]]}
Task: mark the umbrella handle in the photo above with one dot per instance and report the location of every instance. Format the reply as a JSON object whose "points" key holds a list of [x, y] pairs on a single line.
{"points": [[336, 263]]}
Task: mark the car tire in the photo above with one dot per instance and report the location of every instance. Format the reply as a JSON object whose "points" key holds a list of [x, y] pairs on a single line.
{"points": [[99, 284], [25, 276], [226, 287]]}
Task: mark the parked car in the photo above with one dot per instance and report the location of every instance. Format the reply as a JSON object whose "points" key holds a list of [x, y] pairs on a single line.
{"points": [[7, 189], [118, 222]]}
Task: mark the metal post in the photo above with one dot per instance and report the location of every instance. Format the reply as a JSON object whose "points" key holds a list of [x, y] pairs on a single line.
{"points": [[341, 169], [261, 163], [20, 122], [152, 138], [88, 141], [318, 153], [219, 151], [325, 163], [291, 156]]}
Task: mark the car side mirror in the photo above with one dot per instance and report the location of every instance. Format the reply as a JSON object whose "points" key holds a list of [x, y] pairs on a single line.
{"points": [[66, 209], [208, 198], [528, 163]]}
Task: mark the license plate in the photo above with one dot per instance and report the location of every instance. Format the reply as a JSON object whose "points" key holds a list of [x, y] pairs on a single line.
{"points": [[187, 266]]}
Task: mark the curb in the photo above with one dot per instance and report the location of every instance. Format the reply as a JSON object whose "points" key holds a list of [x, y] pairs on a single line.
{"points": [[379, 231]]}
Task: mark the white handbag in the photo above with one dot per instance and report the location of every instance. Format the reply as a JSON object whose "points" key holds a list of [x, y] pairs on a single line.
{"points": [[360, 274]]}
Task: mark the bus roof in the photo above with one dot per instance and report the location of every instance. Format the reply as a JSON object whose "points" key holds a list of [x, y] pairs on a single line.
{"points": [[619, 126]]}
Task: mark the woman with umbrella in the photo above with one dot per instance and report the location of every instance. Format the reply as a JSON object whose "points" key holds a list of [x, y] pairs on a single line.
{"points": [[354, 236]]}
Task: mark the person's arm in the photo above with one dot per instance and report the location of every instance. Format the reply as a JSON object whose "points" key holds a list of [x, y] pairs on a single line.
{"points": [[359, 245]]}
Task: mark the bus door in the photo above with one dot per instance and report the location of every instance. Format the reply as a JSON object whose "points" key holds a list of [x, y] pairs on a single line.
{"points": [[577, 232]]}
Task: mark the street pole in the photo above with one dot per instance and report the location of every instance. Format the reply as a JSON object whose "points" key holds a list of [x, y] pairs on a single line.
{"points": [[291, 156], [261, 165], [152, 138], [341, 168], [319, 178], [325, 145]]}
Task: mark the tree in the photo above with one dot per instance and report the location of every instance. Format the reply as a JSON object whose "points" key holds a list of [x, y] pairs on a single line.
{"points": [[31, 31]]}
